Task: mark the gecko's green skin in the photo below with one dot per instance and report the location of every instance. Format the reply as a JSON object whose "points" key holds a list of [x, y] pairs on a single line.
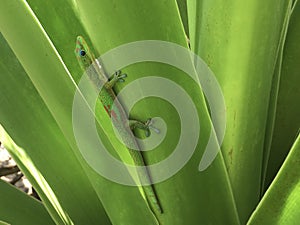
{"points": [[107, 96]]}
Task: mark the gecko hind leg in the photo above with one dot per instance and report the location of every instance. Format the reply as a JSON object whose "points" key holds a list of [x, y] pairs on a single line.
{"points": [[146, 126], [118, 76]]}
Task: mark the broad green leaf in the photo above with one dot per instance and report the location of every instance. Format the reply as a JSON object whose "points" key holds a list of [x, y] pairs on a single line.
{"points": [[27, 120], [120, 30], [4, 223], [47, 194], [240, 41], [273, 103], [59, 20], [287, 121], [16, 207], [182, 6], [280, 204]]}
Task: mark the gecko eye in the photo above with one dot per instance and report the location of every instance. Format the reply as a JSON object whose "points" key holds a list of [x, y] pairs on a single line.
{"points": [[82, 52]]}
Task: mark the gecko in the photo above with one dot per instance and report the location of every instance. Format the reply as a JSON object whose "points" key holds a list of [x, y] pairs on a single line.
{"points": [[99, 78]]}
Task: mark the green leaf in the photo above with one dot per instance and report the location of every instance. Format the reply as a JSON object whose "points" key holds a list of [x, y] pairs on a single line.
{"points": [[16, 207], [280, 203], [33, 128], [182, 6], [287, 122], [186, 188], [240, 41], [28, 167], [4, 223]]}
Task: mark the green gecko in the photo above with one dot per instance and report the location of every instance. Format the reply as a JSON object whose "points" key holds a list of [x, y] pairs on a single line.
{"points": [[98, 77]]}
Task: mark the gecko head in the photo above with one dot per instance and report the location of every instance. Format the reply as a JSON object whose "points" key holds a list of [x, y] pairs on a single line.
{"points": [[83, 53]]}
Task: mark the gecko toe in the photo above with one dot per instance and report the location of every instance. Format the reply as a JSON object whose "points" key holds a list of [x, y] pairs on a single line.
{"points": [[155, 129], [118, 72], [123, 75], [147, 133]]}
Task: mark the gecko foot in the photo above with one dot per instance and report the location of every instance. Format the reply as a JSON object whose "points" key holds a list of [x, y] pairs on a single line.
{"points": [[119, 76], [147, 126]]}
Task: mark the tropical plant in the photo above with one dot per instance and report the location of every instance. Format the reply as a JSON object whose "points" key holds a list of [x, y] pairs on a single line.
{"points": [[252, 47]]}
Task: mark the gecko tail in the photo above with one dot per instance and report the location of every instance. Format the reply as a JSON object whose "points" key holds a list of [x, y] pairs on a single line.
{"points": [[153, 200]]}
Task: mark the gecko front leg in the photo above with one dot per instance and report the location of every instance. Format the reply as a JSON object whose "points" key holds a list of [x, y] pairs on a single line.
{"points": [[146, 126], [117, 77]]}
